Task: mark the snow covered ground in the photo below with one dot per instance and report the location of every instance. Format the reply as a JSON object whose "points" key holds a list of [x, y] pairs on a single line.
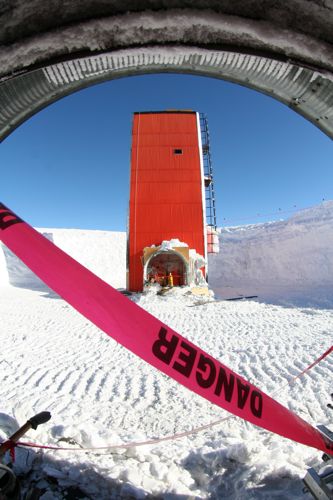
{"points": [[282, 262], [99, 394]]}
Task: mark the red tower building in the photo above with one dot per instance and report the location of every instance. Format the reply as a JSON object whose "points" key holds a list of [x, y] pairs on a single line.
{"points": [[167, 198]]}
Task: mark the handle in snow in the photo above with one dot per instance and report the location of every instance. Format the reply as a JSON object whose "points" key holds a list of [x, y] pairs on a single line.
{"points": [[40, 418], [149, 338], [32, 423]]}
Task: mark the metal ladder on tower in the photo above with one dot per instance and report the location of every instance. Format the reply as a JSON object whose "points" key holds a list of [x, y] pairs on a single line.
{"points": [[208, 173]]}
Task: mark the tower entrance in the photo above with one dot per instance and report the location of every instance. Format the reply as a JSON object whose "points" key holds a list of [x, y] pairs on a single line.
{"points": [[165, 268]]}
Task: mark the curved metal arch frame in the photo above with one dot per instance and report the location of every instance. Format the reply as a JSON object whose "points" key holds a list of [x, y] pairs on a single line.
{"points": [[305, 90]]}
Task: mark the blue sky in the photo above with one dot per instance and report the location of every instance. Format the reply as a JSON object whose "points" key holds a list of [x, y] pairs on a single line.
{"points": [[68, 166]]}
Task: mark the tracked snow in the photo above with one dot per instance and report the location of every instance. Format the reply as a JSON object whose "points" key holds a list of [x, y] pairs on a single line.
{"points": [[99, 394]]}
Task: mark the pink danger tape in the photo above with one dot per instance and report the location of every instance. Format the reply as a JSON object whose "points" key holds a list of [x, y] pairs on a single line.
{"points": [[149, 338]]}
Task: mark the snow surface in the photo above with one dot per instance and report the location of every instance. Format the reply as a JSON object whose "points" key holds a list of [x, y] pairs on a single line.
{"points": [[289, 261], [99, 394], [103, 252]]}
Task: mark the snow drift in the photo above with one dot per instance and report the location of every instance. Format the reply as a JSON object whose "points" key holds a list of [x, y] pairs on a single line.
{"points": [[288, 261], [284, 261], [103, 252]]}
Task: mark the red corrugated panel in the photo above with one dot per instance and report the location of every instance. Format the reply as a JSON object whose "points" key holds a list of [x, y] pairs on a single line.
{"points": [[166, 189]]}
